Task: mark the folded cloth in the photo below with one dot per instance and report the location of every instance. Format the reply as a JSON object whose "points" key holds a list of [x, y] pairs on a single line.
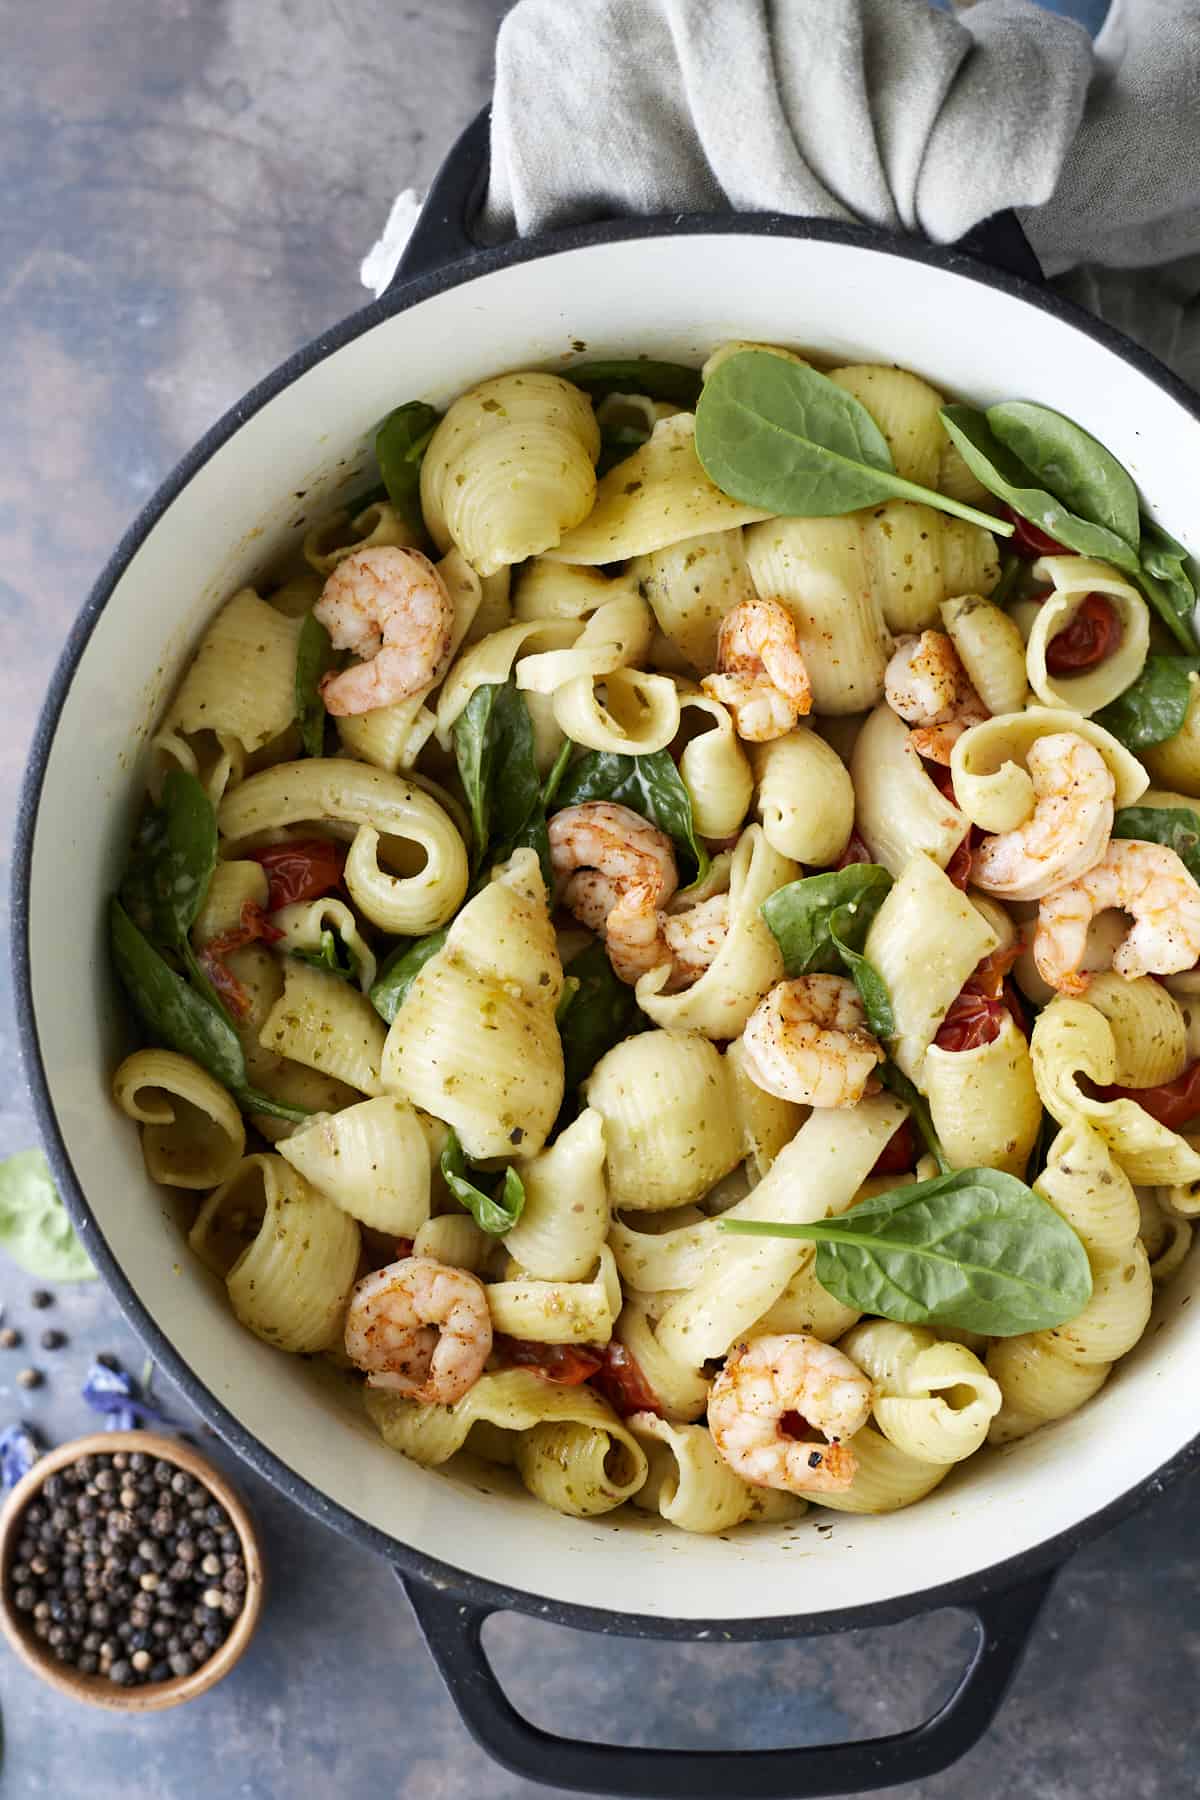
{"points": [[885, 111]]}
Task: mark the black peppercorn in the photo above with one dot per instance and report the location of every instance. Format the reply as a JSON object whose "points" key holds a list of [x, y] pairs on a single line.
{"points": [[53, 1340], [41, 1299]]}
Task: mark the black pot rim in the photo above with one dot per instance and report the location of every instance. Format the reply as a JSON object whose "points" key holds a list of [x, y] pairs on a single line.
{"points": [[479, 1591]]}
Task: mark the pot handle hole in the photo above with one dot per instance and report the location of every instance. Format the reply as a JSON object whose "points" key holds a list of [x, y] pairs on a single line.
{"points": [[452, 1627]]}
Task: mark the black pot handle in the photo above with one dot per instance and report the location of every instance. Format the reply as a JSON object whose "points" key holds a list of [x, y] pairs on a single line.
{"points": [[442, 233], [452, 1628]]}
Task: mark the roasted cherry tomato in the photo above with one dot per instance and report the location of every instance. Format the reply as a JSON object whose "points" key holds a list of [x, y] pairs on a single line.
{"points": [[1093, 634], [1172, 1103], [1028, 541], [855, 852], [255, 927], [900, 1152], [567, 1365], [959, 866], [977, 1013], [305, 870], [622, 1383]]}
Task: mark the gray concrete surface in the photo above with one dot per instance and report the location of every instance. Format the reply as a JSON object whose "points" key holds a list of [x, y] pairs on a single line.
{"points": [[187, 188]]}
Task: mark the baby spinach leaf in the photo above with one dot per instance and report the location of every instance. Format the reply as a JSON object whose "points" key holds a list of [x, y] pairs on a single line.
{"points": [[494, 748], [872, 989], [1004, 475], [333, 954], [34, 1227], [650, 785], [315, 656], [177, 1016], [390, 989], [805, 915], [638, 375], [1012, 568], [170, 868], [975, 1249], [1069, 461], [1167, 584], [400, 446], [780, 436], [1154, 707], [602, 1013], [494, 1213], [1178, 827], [897, 1082]]}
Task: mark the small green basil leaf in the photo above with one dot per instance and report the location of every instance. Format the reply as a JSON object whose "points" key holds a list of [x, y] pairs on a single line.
{"points": [[872, 989], [801, 915], [898, 1083], [400, 446], [650, 785], [1178, 827], [172, 861], [558, 769], [1167, 583], [401, 969], [494, 748], [333, 954], [34, 1227], [975, 1249], [1154, 708], [174, 1014], [315, 656], [602, 1013], [780, 436], [1073, 464], [1004, 475], [638, 375], [494, 1213]]}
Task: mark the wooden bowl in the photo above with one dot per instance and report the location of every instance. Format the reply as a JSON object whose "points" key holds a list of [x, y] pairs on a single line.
{"points": [[95, 1689]]}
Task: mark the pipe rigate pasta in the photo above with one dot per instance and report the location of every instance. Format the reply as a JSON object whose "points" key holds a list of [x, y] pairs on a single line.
{"points": [[691, 585], [192, 1133], [499, 1088], [510, 469], [1073, 578], [370, 1159], [286, 1254]]}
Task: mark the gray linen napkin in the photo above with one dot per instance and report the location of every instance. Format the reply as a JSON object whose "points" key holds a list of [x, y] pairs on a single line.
{"points": [[884, 111]]}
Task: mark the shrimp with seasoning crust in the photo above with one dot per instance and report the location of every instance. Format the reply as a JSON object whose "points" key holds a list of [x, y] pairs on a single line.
{"points": [[789, 1373], [926, 685], [392, 608], [420, 1328], [1147, 881], [619, 870], [807, 1041], [1068, 831], [761, 674], [642, 937]]}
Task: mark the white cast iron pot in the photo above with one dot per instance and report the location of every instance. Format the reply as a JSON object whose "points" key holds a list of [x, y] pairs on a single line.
{"points": [[666, 288]]}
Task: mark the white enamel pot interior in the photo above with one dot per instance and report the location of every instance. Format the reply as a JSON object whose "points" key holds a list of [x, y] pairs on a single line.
{"points": [[234, 507]]}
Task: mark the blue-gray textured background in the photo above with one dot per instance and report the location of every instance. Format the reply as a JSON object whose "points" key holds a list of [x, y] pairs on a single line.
{"points": [[187, 188]]}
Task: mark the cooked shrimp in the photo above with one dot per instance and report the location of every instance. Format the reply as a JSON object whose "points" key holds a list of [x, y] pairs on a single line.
{"points": [[619, 870], [420, 1328], [781, 1374], [1069, 829], [762, 678], [392, 608], [1146, 880], [639, 936], [807, 1041], [926, 685]]}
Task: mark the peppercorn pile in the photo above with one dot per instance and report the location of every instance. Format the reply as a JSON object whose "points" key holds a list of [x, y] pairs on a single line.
{"points": [[128, 1568]]}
